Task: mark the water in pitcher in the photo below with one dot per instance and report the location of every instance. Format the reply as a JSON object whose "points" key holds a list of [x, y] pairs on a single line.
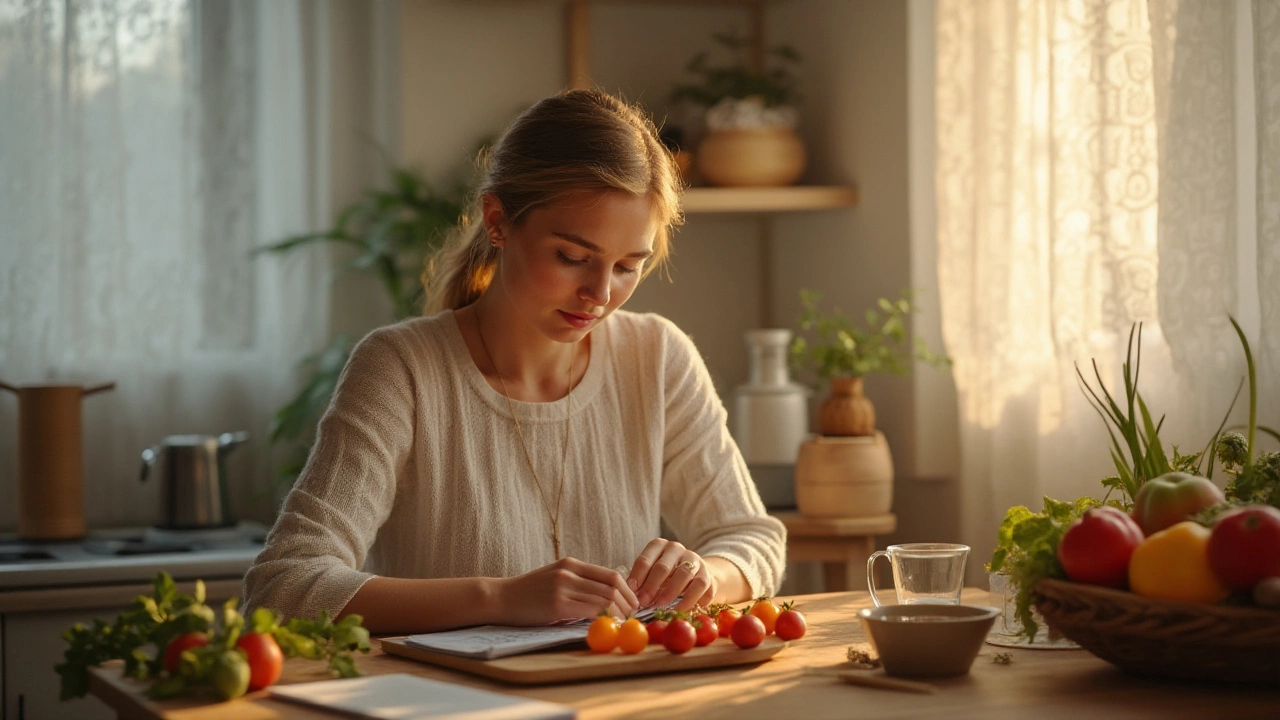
{"points": [[928, 578]]}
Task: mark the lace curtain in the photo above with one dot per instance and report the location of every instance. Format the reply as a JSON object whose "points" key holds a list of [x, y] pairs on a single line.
{"points": [[1087, 181], [145, 148]]}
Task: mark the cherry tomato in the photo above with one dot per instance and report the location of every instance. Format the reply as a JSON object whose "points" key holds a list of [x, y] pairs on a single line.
{"points": [[679, 637], [791, 624], [706, 628], [725, 620], [265, 659], [747, 632], [656, 628], [764, 609], [1244, 546], [185, 641], [602, 635], [1097, 547], [231, 674], [632, 636]]}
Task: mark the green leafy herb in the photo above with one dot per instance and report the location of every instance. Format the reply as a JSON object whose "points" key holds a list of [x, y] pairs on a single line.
{"points": [[775, 86], [141, 634]]}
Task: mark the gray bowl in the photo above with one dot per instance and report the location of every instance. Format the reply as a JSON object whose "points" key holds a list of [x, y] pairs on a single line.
{"points": [[927, 640]]}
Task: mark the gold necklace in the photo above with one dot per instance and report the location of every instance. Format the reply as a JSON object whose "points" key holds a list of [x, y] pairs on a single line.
{"points": [[564, 460]]}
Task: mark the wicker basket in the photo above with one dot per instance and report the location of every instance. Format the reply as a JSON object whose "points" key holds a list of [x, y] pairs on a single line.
{"points": [[1165, 638]]}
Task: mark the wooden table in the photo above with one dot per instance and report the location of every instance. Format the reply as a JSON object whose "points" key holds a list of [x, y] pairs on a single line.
{"points": [[796, 683], [842, 545]]}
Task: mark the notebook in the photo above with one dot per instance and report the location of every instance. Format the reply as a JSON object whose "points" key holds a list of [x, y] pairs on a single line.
{"points": [[402, 696]]}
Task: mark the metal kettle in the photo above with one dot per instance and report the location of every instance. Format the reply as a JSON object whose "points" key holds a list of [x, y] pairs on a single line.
{"points": [[193, 487]]}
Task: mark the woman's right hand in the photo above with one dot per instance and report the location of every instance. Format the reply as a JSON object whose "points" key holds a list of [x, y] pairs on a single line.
{"points": [[566, 589]]}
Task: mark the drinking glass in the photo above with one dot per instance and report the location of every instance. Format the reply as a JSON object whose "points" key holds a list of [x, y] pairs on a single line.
{"points": [[923, 573]]}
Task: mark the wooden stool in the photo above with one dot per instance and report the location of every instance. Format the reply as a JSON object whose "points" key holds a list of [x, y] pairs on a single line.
{"points": [[842, 545]]}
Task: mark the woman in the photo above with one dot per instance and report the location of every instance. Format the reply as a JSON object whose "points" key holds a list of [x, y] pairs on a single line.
{"points": [[508, 459]]}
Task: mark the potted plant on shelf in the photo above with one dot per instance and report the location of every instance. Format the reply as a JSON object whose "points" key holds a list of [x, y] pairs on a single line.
{"points": [[750, 116], [847, 470]]}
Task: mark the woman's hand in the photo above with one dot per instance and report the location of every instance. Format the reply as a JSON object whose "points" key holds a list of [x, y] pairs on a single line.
{"points": [[565, 589], [666, 570]]}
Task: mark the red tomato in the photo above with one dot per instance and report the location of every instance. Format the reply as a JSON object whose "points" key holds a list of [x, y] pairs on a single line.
{"points": [[265, 659], [656, 629], [791, 624], [725, 620], [706, 628], [602, 635], [1096, 548], [679, 637], [185, 641], [1171, 498], [1244, 546], [764, 609], [747, 632]]}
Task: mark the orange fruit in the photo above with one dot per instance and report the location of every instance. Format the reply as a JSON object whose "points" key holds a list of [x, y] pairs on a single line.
{"points": [[1173, 564]]}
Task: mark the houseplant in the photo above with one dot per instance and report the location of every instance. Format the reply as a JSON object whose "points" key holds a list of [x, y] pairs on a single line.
{"points": [[847, 469], [392, 231], [750, 115]]}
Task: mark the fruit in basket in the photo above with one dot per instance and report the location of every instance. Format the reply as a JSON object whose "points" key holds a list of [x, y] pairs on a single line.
{"points": [[1096, 548], [1173, 564], [1171, 498], [1267, 592], [1244, 546]]}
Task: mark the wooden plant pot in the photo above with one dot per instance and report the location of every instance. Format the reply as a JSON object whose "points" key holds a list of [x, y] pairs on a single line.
{"points": [[846, 412], [751, 157], [844, 476]]}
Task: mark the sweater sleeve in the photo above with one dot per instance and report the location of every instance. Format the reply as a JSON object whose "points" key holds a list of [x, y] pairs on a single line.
{"points": [[708, 496], [314, 554]]}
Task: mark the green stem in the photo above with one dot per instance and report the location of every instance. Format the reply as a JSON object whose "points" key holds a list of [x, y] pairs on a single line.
{"points": [[1253, 395]]}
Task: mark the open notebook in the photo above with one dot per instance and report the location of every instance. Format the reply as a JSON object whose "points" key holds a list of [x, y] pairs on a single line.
{"points": [[488, 642], [400, 697]]}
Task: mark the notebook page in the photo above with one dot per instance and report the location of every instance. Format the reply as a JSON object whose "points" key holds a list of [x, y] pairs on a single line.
{"points": [[403, 696]]}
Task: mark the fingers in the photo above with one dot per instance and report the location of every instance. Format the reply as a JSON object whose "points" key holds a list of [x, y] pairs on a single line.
{"points": [[601, 587], [666, 570]]}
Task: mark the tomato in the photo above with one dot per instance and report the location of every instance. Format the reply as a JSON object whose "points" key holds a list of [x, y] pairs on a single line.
{"points": [[679, 637], [1244, 546], [748, 632], [656, 628], [185, 641], [1096, 548], [1173, 564], [632, 636], [791, 624], [706, 629], [1171, 498], [265, 659], [602, 635], [231, 674], [766, 611], [725, 619]]}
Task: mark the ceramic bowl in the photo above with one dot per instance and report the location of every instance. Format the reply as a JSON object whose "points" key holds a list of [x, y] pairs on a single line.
{"points": [[927, 640]]}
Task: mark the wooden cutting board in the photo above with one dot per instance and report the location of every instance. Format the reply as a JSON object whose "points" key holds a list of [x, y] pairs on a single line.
{"points": [[545, 668]]}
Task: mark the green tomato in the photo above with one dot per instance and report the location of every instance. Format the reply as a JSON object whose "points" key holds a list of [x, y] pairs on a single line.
{"points": [[231, 674], [1171, 498]]}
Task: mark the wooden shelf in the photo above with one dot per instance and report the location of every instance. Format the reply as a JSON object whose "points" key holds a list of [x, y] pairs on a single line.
{"points": [[773, 199]]}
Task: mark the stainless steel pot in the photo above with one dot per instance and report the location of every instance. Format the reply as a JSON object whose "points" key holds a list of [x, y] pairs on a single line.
{"points": [[193, 486]]}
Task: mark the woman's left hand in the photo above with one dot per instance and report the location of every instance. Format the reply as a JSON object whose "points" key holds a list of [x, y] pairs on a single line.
{"points": [[666, 570]]}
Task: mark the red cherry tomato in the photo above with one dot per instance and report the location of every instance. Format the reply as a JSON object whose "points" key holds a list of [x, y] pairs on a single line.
{"points": [[679, 637], [185, 641], [790, 625], [656, 629], [265, 659], [725, 620], [707, 630], [747, 632], [1097, 547]]}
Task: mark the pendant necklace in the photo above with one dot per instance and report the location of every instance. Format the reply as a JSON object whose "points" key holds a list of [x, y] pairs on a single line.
{"points": [[564, 460]]}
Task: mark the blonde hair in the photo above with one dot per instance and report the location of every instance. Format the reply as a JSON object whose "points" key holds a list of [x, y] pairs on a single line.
{"points": [[575, 141]]}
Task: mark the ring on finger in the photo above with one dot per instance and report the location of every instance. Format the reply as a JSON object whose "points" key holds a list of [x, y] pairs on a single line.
{"points": [[688, 565]]}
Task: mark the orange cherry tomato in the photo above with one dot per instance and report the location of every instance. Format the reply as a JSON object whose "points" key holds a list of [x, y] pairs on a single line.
{"points": [[633, 636], [764, 609], [602, 635]]}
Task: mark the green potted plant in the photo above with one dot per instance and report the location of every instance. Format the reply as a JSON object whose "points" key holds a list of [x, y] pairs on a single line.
{"points": [[392, 231], [750, 115], [847, 469]]}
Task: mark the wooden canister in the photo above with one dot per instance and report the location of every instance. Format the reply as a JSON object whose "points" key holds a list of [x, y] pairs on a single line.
{"points": [[51, 460]]}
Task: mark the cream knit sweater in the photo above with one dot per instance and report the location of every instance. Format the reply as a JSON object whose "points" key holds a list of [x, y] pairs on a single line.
{"points": [[417, 471]]}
